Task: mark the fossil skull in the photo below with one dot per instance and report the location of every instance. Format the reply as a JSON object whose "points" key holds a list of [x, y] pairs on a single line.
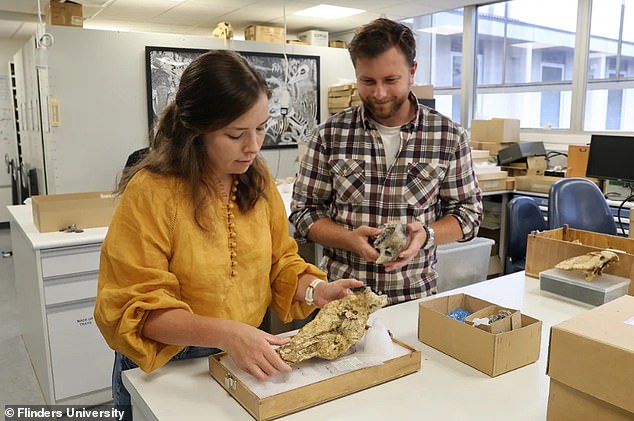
{"points": [[338, 325], [392, 240]]}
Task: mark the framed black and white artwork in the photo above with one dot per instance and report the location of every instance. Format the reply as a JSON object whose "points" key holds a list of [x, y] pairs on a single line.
{"points": [[293, 80]]}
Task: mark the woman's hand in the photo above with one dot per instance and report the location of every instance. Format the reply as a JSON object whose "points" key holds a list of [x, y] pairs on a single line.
{"points": [[251, 350], [325, 292]]}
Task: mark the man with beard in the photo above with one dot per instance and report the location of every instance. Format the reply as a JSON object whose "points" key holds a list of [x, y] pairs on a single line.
{"points": [[389, 159]]}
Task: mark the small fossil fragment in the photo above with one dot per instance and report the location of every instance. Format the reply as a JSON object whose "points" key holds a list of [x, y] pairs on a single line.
{"points": [[391, 241], [591, 264], [338, 325]]}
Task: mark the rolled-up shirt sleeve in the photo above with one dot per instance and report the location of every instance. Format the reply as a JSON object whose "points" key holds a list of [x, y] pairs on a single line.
{"points": [[134, 276], [312, 191], [460, 194]]}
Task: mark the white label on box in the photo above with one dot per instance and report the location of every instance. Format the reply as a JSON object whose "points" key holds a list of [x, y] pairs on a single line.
{"points": [[630, 321]]}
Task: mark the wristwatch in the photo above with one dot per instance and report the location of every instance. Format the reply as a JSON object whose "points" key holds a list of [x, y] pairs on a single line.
{"points": [[309, 298], [431, 237]]}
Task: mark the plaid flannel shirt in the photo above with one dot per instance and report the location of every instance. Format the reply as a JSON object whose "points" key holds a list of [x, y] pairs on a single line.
{"points": [[344, 176]]}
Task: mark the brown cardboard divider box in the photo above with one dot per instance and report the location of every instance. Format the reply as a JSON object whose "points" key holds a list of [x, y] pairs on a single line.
{"points": [[84, 210], [594, 353], [547, 248], [303, 397], [506, 324], [493, 354]]}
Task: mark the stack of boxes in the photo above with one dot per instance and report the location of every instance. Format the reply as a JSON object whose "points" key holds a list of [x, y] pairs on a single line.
{"points": [[490, 176], [342, 96], [494, 134]]}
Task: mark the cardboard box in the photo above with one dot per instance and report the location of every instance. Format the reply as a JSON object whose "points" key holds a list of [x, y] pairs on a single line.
{"points": [[492, 147], [535, 183], [337, 43], [594, 353], [493, 185], [84, 210], [493, 354], [67, 13], [547, 248], [568, 404], [423, 91], [264, 33], [314, 37], [532, 165], [500, 130], [315, 393], [506, 324]]}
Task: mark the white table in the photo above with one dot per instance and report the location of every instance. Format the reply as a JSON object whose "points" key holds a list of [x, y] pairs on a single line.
{"points": [[443, 389]]}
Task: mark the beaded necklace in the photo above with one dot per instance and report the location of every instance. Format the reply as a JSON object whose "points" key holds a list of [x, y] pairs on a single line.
{"points": [[228, 204]]}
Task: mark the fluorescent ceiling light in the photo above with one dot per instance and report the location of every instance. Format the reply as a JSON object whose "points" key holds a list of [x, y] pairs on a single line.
{"points": [[326, 11], [534, 45], [443, 30]]}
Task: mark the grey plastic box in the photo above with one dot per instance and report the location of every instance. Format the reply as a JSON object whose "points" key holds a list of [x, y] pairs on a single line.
{"points": [[572, 284], [461, 264]]}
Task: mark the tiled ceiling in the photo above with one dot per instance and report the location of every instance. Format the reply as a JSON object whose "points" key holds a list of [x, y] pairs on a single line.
{"points": [[19, 18]]}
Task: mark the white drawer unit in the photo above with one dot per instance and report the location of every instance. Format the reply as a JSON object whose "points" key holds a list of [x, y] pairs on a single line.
{"points": [[70, 288], [56, 281], [80, 359], [69, 260]]}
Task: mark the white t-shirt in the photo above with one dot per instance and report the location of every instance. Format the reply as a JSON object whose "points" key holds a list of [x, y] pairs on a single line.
{"points": [[391, 137]]}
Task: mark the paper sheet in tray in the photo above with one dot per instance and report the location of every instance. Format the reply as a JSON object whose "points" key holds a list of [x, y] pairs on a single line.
{"points": [[313, 381]]}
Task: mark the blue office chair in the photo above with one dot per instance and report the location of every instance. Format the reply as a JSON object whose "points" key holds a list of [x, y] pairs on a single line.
{"points": [[579, 203], [524, 217]]}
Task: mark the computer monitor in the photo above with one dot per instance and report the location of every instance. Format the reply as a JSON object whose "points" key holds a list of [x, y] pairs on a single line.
{"points": [[611, 158]]}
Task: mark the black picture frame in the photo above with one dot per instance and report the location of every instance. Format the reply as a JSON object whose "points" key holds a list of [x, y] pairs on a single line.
{"points": [[295, 85]]}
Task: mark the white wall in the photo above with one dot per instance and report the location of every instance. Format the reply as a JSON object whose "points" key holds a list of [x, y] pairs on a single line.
{"points": [[99, 79], [8, 48]]}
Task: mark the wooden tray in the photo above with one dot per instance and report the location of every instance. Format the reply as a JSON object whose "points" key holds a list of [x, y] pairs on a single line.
{"points": [[313, 394]]}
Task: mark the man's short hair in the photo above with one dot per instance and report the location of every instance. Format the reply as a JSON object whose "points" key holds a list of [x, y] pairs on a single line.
{"points": [[380, 35]]}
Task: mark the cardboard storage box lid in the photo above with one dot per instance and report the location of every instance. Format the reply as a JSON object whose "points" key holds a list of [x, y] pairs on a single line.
{"points": [[594, 352], [566, 403], [493, 354], [84, 210], [547, 248], [315, 393]]}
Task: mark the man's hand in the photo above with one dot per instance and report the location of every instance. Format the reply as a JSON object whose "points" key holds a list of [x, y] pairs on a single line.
{"points": [[362, 244]]}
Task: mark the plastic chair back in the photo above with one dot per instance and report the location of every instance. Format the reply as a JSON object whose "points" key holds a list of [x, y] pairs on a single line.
{"points": [[579, 203], [524, 217]]}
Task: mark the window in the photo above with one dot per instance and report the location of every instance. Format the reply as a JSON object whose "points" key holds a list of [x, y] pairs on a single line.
{"points": [[526, 64], [610, 87], [439, 57]]}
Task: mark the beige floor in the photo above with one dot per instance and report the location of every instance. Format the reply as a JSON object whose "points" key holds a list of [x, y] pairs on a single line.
{"points": [[18, 384]]}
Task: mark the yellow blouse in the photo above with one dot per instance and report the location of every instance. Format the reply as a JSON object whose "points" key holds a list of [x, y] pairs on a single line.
{"points": [[155, 257]]}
